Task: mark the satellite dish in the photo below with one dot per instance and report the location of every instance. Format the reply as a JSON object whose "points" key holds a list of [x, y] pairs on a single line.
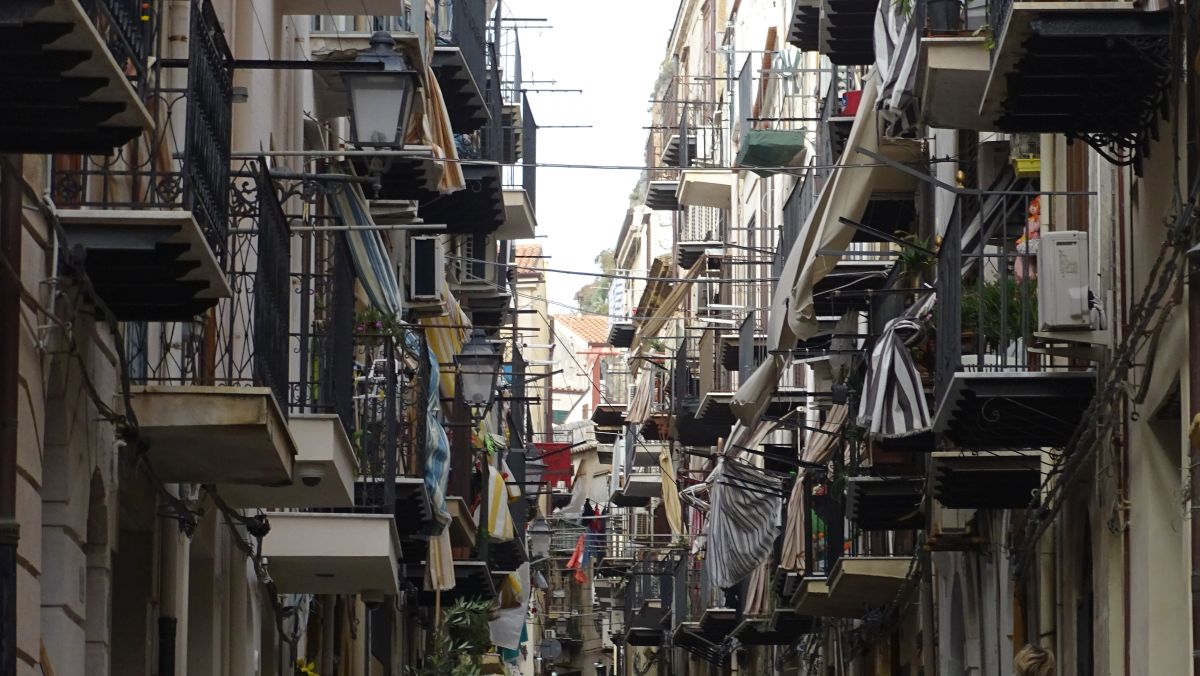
{"points": [[550, 649]]}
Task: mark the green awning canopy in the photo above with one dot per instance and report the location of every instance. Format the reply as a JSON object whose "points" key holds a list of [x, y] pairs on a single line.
{"points": [[772, 148]]}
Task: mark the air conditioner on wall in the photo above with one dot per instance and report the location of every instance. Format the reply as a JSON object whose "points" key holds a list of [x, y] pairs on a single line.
{"points": [[1064, 274], [426, 268]]}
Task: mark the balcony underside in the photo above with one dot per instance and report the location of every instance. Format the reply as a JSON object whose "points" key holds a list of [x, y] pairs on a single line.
{"points": [[670, 154], [464, 100], [414, 512], [505, 556], [643, 485], [730, 350], [867, 581], [805, 33], [63, 90], [146, 265], [620, 334], [847, 28], [812, 599], [888, 213], [691, 430], [953, 78], [715, 406], [316, 553], [660, 195], [1014, 409], [885, 503], [324, 451], [646, 624], [705, 645], [520, 221], [477, 208], [690, 252], [995, 480], [618, 498], [214, 435], [472, 580], [1100, 73], [609, 415], [706, 188]]}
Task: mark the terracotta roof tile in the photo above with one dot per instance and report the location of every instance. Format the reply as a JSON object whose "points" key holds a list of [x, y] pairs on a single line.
{"points": [[592, 328]]}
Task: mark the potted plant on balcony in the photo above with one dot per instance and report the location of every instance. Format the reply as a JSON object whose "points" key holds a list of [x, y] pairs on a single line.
{"points": [[982, 311], [915, 259]]}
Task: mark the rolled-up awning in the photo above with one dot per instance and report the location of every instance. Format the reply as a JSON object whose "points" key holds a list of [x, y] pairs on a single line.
{"points": [[367, 251], [662, 311], [893, 403]]}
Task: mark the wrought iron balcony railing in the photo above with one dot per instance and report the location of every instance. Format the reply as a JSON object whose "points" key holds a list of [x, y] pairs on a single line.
{"points": [[243, 340], [127, 27], [152, 176]]}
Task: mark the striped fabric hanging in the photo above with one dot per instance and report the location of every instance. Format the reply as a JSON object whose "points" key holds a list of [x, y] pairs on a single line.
{"points": [[743, 521], [896, 49], [893, 404]]}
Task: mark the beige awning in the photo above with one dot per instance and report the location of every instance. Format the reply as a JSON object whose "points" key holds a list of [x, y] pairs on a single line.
{"points": [[652, 324]]}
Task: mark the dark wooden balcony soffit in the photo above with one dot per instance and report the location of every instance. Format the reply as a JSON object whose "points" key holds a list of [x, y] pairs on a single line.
{"points": [[805, 30], [847, 31], [660, 195], [1014, 409], [845, 289], [708, 647], [621, 334], [464, 98], [995, 480], [1103, 75], [609, 415], [62, 78], [478, 208], [885, 503]]}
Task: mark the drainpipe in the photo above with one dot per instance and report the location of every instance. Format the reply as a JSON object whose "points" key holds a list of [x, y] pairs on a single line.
{"points": [[1047, 585], [10, 316]]}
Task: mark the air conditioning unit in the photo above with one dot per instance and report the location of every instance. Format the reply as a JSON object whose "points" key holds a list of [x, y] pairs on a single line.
{"points": [[475, 264], [1063, 278], [426, 268]]}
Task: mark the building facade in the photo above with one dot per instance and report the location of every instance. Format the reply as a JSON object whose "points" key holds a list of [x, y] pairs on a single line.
{"points": [[911, 387], [257, 259]]}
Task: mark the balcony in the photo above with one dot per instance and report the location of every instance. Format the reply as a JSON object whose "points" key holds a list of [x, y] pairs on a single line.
{"points": [[876, 503], [867, 581], [660, 195], [1099, 71], [151, 233], [214, 435], [520, 221], [311, 553], [805, 31], [460, 61], [780, 628], [479, 209], [326, 468], [953, 76], [995, 388], [708, 646], [992, 480], [764, 150], [75, 76], [706, 188], [847, 31], [813, 599], [648, 588]]}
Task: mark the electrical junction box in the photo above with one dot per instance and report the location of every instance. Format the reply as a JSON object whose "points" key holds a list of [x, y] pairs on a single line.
{"points": [[1063, 277]]}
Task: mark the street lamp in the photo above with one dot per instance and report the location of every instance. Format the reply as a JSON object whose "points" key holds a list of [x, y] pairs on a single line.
{"points": [[380, 100], [538, 535], [478, 371]]}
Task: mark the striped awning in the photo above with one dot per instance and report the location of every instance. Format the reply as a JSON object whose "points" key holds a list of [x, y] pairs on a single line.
{"points": [[447, 334], [743, 520], [367, 250], [897, 45], [893, 403]]}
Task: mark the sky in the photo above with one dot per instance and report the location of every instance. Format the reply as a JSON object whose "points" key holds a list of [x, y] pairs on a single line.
{"points": [[611, 50]]}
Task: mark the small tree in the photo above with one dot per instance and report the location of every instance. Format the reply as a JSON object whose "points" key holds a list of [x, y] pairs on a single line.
{"points": [[593, 296], [459, 641]]}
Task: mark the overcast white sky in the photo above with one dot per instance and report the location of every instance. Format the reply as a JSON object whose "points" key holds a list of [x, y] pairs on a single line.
{"points": [[611, 50]]}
